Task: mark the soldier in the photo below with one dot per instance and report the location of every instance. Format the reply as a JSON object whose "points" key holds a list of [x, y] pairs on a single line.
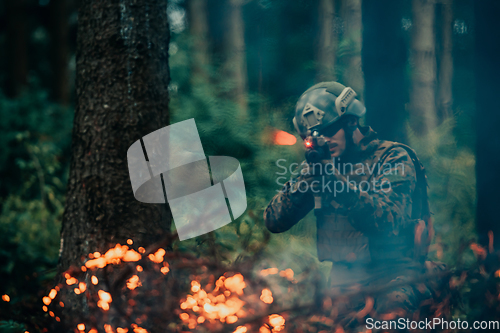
{"points": [[371, 203]]}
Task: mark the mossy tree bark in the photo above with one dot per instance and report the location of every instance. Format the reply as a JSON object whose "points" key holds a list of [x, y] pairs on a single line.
{"points": [[235, 62], [352, 39], [422, 107], [327, 43], [445, 79], [122, 94], [198, 27]]}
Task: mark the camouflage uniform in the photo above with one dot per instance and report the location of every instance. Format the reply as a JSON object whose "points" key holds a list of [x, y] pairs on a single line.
{"points": [[368, 235]]}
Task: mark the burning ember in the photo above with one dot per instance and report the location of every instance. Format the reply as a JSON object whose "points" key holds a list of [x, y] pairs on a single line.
{"points": [[277, 322], [133, 282], [219, 304], [267, 296], [222, 301], [104, 300], [287, 273], [114, 256]]}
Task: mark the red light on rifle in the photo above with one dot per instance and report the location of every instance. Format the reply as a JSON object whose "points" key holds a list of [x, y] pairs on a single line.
{"points": [[308, 144]]}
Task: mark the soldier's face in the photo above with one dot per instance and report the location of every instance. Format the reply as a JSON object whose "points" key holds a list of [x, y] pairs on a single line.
{"points": [[337, 143]]}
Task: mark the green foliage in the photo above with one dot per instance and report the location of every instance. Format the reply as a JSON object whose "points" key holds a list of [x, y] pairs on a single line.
{"points": [[11, 327], [35, 137], [452, 185], [249, 138]]}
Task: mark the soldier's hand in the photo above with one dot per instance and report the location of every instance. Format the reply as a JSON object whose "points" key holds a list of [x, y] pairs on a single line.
{"points": [[314, 175]]}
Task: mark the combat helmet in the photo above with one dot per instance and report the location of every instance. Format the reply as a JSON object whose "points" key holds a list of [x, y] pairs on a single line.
{"points": [[323, 105]]}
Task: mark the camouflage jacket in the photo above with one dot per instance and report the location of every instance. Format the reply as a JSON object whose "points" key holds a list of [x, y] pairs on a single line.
{"points": [[370, 220]]}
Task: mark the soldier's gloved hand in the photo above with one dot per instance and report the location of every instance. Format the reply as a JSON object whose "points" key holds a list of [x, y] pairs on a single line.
{"points": [[315, 175]]}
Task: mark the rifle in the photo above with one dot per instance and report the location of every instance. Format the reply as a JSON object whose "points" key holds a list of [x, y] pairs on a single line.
{"points": [[317, 150]]}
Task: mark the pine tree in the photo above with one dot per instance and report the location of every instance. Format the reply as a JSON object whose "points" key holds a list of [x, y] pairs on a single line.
{"points": [[122, 80], [423, 65], [327, 44]]}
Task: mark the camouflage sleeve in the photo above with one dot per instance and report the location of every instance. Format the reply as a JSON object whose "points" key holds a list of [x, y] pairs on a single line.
{"points": [[386, 206], [288, 207]]}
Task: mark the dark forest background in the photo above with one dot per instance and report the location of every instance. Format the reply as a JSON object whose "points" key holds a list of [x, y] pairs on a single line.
{"points": [[426, 71]]}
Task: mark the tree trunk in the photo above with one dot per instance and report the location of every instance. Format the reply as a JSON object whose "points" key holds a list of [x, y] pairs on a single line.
{"points": [[16, 46], [353, 74], [122, 94], [384, 56], [327, 44], [445, 97], [488, 136], [235, 66], [198, 27], [59, 34], [423, 62]]}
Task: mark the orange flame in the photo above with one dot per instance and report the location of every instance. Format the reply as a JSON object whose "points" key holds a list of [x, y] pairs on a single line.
{"points": [[52, 293], [240, 329], [104, 300], [216, 305], [138, 329], [113, 256], [6, 298], [106, 297], [491, 248], [267, 296], [157, 257], [283, 138], [264, 329], [269, 271], [277, 322], [235, 284], [133, 282], [70, 281], [195, 286], [478, 250], [131, 255], [165, 269], [287, 273]]}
